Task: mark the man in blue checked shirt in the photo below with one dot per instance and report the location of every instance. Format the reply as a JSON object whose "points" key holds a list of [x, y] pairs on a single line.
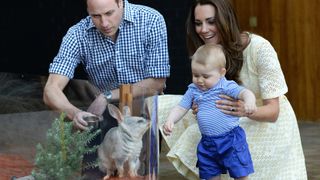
{"points": [[118, 43]]}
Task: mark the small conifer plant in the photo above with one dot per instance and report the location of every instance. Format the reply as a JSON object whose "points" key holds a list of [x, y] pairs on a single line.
{"points": [[61, 157]]}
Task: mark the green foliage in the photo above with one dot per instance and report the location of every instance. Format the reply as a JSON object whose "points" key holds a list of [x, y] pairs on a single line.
{"points": [[61, 157]]}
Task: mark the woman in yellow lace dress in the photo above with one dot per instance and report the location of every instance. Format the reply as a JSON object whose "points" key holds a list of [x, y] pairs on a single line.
{"points": [[272, 132]]}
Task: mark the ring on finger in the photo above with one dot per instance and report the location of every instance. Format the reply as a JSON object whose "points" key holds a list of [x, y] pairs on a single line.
{"points": [[232, 109]]}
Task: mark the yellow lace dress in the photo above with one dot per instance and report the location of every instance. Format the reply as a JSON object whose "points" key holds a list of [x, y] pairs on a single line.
{"points": [[275, 147]]}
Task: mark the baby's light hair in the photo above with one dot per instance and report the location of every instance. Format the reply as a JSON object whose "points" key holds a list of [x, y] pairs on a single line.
{"points": [[210, 55]]}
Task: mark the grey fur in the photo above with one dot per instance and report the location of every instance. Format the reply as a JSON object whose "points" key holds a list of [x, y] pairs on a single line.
{"points": [[122, 144]]}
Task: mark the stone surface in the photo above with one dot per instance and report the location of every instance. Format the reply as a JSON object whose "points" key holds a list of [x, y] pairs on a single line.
{"points": [[13, 165]]}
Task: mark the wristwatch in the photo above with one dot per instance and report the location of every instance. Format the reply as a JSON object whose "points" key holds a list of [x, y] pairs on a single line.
{"points": [[108, 95]]}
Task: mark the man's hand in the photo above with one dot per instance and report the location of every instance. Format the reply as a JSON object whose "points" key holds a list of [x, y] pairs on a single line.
{"points": [[79, 122]]}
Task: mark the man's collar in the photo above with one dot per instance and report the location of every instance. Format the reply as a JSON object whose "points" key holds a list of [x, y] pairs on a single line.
{"points": [[91, 25], [128, 13]]}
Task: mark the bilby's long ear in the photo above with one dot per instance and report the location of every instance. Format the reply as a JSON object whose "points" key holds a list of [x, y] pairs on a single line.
{"points": [[115, 112], [126, 111]]}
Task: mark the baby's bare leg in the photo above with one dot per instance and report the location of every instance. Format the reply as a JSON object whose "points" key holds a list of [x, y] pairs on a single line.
{"points": [[243, 178], [216, 178]]}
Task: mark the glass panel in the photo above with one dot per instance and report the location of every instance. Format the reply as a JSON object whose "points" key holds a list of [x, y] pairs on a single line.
{"points": [[26, 122], [138, 126]]}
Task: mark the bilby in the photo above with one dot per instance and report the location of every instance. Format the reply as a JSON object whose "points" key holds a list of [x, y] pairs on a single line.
{"points": [[122, 144]]}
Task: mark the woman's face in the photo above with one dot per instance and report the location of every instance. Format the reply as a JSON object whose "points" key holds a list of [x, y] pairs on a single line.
{"points": [[205, 23]]}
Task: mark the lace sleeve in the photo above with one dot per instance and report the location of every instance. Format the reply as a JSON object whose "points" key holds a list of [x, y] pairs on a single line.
{"points": [[271, 78]]}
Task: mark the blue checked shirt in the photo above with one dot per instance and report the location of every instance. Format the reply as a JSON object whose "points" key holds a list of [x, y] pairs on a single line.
{"points": [[140, 51], [211, 120]]}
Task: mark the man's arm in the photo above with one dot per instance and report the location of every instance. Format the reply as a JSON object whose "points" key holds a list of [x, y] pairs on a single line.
{"points": [[146, 87], [152, 85], [54, 97]]}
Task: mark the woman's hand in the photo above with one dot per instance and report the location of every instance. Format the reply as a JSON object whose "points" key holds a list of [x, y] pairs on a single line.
{"points": [[231, 106], [194, 108], [228, 106]]}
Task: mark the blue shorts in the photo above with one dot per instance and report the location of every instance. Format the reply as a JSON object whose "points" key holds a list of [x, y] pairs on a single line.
{"points": [[227, 152]]}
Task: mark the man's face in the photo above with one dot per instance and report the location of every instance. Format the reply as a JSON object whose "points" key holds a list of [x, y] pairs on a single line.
{"points": [[106, 16]]}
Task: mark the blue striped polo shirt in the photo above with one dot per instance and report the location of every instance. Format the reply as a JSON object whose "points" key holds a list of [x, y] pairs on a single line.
{"points": [[211, 120], [140, 51]]}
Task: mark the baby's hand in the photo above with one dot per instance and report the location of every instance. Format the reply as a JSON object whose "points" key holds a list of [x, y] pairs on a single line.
{"points": [[167, 127], [250, 108]]}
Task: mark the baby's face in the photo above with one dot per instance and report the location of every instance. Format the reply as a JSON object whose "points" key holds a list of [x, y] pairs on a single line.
{"points": [[205, 77]]}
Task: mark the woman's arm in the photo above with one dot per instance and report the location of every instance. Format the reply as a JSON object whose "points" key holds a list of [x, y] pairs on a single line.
{"points": [[268, 112]]}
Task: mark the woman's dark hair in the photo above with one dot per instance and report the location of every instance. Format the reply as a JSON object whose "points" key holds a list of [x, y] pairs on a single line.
{"points": [[229, 30]]}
